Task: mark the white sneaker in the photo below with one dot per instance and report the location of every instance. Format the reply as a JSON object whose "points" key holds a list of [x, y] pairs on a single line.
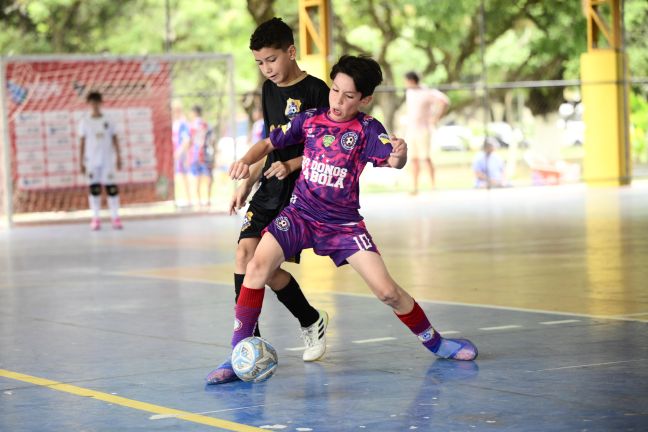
{"points": [[315, 338]]}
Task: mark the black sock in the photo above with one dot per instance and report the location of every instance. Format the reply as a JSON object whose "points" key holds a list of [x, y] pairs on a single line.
{"points": [[293, 298], [238, 281]]}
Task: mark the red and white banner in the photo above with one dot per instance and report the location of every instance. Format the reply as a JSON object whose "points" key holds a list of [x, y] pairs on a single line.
{"points": [[46, 100]]}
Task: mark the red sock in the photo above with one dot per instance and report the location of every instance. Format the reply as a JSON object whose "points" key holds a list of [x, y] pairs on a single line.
{"points": [[247, 311], [417, 322]]}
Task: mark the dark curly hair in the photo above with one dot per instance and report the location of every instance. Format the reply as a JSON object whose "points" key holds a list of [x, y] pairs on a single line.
{"points": [[364, 70], [94, 96], [273, 33]]}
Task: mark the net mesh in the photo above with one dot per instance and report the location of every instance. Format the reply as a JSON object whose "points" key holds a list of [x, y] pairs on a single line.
{"points": [[45, 99]]}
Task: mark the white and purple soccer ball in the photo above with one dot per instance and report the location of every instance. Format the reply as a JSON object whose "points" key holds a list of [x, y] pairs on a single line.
{"points": [[254, 359]]}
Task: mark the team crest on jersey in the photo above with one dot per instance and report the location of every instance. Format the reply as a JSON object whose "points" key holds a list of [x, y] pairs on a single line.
{"points": [[384, 138], [349, 140], [327, 140], [293, 106], [282, 223], [247, 221]]}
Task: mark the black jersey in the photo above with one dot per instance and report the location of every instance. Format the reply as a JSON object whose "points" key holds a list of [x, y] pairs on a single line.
{"points": [[280, 104]]}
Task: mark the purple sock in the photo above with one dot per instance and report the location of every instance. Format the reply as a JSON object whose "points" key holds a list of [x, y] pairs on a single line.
{"points": [[247, 311], [418, 323]]}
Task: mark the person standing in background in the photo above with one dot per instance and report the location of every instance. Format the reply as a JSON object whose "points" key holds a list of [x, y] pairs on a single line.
{"points": [[425, 107]]}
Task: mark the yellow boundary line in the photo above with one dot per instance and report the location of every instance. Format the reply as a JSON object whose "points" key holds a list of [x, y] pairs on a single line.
{"points": [[130, 403]]}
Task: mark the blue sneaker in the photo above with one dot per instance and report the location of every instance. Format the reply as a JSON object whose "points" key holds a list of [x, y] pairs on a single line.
{"points": [[222, 374], [457, 349]]}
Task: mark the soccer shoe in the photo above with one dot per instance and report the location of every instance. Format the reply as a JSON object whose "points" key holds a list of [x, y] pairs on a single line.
{"points": [[117, 223], [222, 374], [95, 224], [315, 338], [457, 349]]}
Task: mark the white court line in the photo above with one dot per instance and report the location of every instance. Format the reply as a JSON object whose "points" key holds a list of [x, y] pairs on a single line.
{"points": [[587, 365], [504, 327], [506, 308], [632, 314], [559, 322], [447, 332], [166, 416], [419, 300], [363, 341], [301, 348]]}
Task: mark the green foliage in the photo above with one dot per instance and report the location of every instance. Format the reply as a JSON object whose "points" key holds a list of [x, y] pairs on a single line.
{"points": [[639, 126]]}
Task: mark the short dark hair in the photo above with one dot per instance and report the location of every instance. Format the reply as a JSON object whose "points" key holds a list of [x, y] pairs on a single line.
{"points": [[364, 70], [94, 96], [273, 33], [412, 76], [197, 109]]}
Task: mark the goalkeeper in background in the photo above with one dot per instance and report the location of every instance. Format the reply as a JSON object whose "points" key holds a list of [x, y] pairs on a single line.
{"points": [[99, 158]]}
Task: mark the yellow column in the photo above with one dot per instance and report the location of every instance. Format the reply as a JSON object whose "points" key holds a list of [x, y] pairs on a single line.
{"points": [[605, 97], [315, 37], [607, 156]]}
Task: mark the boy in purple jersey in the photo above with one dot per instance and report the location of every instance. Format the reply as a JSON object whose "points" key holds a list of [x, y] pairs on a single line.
{"points": [[323, 215]]}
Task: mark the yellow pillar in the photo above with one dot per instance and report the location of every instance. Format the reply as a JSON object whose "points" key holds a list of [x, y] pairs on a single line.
{"points": [[315, 37], [607, 158], [604, 76]]}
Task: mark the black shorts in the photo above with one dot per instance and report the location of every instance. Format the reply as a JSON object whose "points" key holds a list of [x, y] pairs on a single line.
{"points": [[255, 220]]}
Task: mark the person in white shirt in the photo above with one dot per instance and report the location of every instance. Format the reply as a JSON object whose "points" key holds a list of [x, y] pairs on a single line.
{"points": [[99, 157], [489, 167], [425, 107]]}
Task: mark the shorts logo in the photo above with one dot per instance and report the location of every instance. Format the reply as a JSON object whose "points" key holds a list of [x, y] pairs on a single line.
{"points": [[247, 221], [282, 223], [384, 138], [348, 140], [293, 199], [237, 324], [292, 107], [327, 140]]}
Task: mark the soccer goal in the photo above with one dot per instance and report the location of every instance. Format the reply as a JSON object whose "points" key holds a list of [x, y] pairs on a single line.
{"points": [[43, 98]]}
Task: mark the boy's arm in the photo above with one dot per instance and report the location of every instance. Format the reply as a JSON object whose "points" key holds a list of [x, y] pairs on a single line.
{"points": [[115, 141], [82, 155], [398, 156], [241, 168]]}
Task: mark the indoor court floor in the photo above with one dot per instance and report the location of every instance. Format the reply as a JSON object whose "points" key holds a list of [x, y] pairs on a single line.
{"points": [[116, 330]]}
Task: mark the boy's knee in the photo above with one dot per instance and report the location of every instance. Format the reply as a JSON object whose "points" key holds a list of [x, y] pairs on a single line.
{"points": [[389, 295], [244, 254], [256, 268]]}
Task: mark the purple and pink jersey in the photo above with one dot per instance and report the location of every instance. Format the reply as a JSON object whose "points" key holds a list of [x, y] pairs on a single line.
{"points": [[335, 154]]}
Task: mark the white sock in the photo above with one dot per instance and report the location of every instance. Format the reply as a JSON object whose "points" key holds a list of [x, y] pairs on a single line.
{"points": [[113, 204], [95, 205]]}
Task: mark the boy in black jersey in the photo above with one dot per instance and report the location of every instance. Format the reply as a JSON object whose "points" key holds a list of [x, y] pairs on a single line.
{"points": [[287, 91]]}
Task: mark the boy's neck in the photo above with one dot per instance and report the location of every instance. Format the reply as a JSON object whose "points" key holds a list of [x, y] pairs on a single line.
{"points": [[295, 74]]}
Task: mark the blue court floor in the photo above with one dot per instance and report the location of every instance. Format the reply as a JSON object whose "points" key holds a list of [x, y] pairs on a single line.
{"points": [[115, 331]]}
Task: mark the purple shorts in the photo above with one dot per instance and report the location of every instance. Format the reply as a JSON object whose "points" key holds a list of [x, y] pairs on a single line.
{"points": [[339, 242]]}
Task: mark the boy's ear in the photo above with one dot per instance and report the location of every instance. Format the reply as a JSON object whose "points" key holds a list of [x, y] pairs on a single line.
{"points": [[366, 100], [292, 52]]}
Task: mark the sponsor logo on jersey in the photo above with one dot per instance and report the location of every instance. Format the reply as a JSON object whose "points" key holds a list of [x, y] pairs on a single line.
{"points": [[285, 128], [327, 140], [293, 107], [293, 199], [247, 221], [366, 120], [282, 223], [384, 138], [237, 324], [349, 140]]}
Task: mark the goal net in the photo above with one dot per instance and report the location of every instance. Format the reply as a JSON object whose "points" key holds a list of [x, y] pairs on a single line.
{"points": [[44, 99]]}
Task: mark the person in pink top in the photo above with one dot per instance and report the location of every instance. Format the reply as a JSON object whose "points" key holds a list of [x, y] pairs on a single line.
{"points": [[425, 107], [324, 212]]}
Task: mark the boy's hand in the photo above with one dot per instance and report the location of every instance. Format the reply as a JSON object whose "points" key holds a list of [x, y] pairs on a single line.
{"points": [[238, 199], [399, 147], [83, 169], [119, 163], [239, 170], [277, 169]]}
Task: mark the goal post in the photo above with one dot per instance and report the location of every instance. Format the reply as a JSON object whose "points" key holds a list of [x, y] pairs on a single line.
{"points": [[44, 99]]}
